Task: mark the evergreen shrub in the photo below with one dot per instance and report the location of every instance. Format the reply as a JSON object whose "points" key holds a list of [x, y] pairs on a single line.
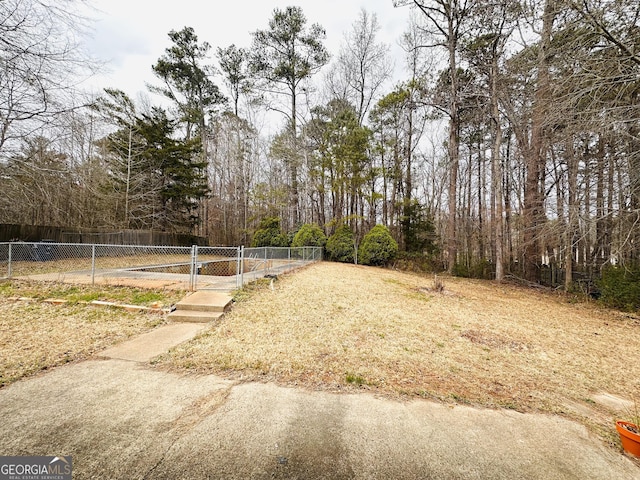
{"points": [[309, 235], [269, 234], [340, 246], [620, 287], [378, 247]]}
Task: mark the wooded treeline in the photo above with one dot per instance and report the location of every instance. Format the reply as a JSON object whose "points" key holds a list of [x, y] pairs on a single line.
{"points": [[511, 143]]}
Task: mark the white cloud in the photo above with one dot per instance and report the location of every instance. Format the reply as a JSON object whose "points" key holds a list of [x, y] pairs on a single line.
{"points": [[132, 34], [114, 40]]}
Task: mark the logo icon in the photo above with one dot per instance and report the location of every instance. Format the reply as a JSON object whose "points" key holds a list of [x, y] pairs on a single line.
{"points": [[35, 468]]}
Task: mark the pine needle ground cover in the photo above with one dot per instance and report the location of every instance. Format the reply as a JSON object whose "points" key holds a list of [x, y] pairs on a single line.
{"points": [[344, 327], [36, 335]]}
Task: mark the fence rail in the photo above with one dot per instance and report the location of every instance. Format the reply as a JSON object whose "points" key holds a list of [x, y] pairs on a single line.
{"points": [[188, 268]]}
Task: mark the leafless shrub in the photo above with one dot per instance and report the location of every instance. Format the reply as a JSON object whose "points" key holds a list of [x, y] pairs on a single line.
{"points": [[438, 284]]}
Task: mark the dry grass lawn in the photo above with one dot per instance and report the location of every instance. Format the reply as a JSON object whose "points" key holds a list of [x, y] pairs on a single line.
{"points": [[335, 326], [35, 336], [342, 327]]}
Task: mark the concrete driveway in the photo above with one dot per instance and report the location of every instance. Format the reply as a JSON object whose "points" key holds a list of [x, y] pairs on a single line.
{"points": [[126, 420]]}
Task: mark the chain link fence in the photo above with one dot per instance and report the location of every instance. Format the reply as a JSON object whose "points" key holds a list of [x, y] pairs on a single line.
{"points": [[186, 268], [266, 261]]}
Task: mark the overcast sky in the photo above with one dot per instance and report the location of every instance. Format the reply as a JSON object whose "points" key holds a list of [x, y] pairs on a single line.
{"points": [[130, 35]]}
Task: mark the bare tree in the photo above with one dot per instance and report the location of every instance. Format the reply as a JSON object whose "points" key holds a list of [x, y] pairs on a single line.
{"points": [[494, 22], [446, 21], [362, 67], [232, 171], [41, 63]]}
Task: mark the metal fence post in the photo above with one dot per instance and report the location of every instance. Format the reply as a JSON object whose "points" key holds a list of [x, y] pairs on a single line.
{"points": [[193, 271], [93, 264], [9, 271], [196, 272], [239, 267], [242, 266]]}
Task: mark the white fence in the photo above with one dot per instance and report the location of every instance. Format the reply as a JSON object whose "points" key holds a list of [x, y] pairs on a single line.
{"points": [[189, 268]]}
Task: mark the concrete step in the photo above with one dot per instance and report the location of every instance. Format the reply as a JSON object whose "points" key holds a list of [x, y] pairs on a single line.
{"points": [[193, 316], [205, 301]]}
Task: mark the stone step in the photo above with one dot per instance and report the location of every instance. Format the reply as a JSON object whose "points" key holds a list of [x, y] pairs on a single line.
{"points": [[205, 301], [193, 316]]}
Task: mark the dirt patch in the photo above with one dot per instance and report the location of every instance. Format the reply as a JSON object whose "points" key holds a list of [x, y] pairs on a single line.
{"points": [[493, 341]]}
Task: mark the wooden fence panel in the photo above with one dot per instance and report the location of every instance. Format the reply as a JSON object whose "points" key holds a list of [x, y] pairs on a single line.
{"points": [[38, 233]]}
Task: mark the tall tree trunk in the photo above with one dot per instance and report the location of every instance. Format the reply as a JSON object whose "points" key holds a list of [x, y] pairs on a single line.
{"points": [[127, 221], [585, 238], [481, 202], [572, 212], [634, 185], [496, 171], [532, 211], [409, 155], [454, 144], [598, 252], [507, 204], [293, 167], [609, 224], [385, 186]]}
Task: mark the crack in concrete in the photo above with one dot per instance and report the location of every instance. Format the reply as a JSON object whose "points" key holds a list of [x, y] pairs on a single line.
{"points": [[193, 415]]}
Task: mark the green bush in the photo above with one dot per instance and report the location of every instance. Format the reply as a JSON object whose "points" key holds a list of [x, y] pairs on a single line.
{"points": [[482, 269], [340, 245], [281, 240], [461, 270], [417, 262], [378, 247], [269, 234], [309, 235], [417, 229], [620, 287]]}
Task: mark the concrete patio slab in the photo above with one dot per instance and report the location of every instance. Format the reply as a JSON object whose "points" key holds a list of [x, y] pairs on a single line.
{"points": [[122, 420]]}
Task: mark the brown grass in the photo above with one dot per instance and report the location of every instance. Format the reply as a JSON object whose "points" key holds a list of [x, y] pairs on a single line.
{"points": [[342, 327], [36, 336], [336, 326]]}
